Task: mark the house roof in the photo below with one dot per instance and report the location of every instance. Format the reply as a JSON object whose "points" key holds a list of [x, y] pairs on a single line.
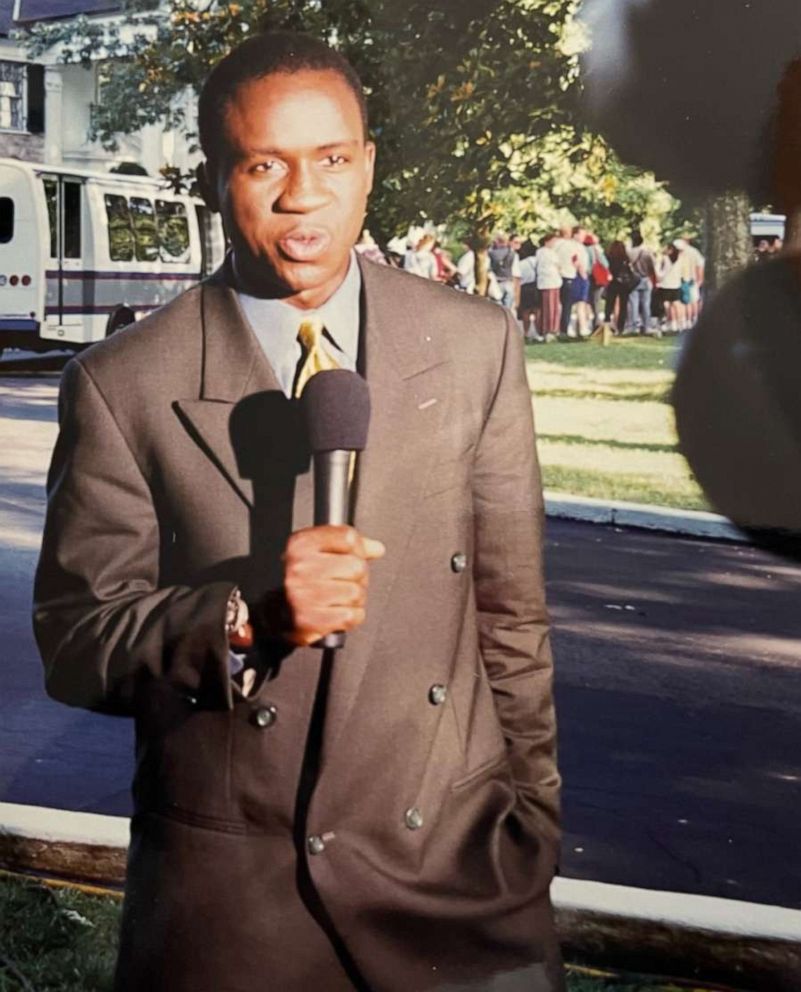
{"points": [[31, 11], [46, 10], [6, 16]]}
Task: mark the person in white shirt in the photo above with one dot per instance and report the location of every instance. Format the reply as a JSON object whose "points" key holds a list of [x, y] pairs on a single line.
{"points": [[466, 269], [529, 298], [567, 251], [669, 285], [420, 260], [549, 284], [697, 264]]}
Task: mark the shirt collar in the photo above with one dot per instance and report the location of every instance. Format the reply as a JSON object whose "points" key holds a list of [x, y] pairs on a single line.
{"points": [[339, 314]]}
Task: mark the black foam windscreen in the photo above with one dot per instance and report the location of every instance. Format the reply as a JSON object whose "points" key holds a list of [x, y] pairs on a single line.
{"points": [[336, 405]]}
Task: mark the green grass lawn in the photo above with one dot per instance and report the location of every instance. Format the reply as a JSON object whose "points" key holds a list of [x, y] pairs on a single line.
{"points": [[605, 424], [64, 940]]}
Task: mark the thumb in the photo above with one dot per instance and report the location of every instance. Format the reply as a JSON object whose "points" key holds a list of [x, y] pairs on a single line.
{"points": [[372, 548]]}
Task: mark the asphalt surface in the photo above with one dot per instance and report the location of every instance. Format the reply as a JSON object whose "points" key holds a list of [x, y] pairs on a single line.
{"points": [[678, 691]]}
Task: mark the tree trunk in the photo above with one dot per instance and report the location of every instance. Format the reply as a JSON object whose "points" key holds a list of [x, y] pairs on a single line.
{"points": [[792, 231], [727, 227], [482, 271]]}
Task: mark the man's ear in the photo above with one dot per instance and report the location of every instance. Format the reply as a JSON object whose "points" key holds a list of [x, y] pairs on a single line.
{"points": [[369, 164], [207, 187]]}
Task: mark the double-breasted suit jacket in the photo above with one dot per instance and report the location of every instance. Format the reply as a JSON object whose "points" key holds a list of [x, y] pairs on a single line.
{"points": [[419, 852]]}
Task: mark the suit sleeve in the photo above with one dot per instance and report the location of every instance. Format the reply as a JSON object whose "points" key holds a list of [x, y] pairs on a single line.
{"points": [[510, 591], [102, 624]]}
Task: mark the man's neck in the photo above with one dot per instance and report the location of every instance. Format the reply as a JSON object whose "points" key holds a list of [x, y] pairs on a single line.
{"points": [[307, 299]]}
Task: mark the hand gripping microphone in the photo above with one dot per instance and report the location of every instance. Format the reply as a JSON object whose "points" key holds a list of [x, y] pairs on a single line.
{"points": [[336, 407]]}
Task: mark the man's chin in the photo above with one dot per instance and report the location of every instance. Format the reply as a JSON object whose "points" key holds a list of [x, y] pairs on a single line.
{"points": [[283, 278]]}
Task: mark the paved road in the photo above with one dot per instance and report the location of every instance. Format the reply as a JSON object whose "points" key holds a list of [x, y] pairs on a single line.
{"points": [[678, 687]]}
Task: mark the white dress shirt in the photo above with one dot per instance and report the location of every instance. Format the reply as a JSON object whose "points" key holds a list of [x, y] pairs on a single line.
{"points": [[275, 324]]}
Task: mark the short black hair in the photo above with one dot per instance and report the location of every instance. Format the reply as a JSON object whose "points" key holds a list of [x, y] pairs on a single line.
{"points": [[264, 55], [636, 238]]}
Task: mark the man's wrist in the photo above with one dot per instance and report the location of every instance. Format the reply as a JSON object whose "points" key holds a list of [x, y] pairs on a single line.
{"points": [[238, 628], [270, 616]]}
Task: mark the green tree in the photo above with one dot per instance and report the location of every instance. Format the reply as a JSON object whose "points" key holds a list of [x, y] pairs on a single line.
{"points": [[459, 91]]}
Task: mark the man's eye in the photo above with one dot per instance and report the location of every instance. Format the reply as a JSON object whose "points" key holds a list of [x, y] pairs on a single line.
{"points": [[335, 160], [263, 167]]}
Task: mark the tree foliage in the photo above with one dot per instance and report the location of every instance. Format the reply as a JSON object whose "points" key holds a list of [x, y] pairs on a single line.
{"points": [[460, 92]]}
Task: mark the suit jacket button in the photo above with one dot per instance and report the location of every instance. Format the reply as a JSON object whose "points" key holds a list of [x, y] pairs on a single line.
{"points": [[315, 844], [437, 694], [265, 716], [459, 562], [413, 818]]}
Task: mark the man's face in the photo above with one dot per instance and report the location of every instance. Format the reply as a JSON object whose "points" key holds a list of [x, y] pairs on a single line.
{"points": [[292, 183]]}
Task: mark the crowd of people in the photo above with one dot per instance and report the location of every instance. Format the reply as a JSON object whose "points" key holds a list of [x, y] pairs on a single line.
{"points": [[568, 284]]}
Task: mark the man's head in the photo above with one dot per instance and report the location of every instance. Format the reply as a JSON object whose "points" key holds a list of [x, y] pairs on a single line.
{"points": [[636, 238], [283, 127], [515, 242]]}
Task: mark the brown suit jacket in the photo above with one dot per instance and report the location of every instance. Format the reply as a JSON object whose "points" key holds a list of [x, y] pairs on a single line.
{"points": [[179, 472]]}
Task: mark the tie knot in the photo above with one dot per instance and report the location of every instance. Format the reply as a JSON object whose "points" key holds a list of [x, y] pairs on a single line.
{"points": [[309, 333]]}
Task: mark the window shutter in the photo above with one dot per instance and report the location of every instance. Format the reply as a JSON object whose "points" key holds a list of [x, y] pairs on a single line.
{"points": [[36, 99]]}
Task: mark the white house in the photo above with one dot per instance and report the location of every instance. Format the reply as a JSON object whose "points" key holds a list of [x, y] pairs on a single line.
{"points": [[45, 106]]}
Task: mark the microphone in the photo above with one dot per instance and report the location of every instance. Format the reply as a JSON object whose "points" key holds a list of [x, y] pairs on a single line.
{"points": [[336, 407]]}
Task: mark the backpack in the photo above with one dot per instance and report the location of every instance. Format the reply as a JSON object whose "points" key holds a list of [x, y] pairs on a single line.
{"points": [[501, 262], [626, 277]]}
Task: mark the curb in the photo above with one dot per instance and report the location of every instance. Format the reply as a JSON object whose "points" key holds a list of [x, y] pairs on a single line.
{"points": [[689, 523], [669, 933]]}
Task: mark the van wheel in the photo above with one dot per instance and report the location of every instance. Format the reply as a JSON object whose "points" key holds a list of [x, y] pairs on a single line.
{"points": [[120, 316]]}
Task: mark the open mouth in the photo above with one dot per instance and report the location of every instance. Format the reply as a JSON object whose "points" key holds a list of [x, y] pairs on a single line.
{"points": [[304, 245]]}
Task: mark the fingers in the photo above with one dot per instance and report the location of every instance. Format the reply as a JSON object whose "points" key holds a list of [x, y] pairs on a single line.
{"points": [[335, 539], [325, 580]]}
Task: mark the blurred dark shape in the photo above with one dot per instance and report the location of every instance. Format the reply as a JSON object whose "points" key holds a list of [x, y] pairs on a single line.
{"points": [[738, 403], [687, 88], [787, 143], [737, 397]]}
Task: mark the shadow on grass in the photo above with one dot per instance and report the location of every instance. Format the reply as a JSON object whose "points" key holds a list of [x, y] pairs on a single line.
{"points": [[63, 940], [56, 940], [622, 392], [629, 487], [608, 443]]}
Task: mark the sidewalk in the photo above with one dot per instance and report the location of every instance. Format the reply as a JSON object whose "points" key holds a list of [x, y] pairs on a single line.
{"points": [[669, 933], [687, 523]]}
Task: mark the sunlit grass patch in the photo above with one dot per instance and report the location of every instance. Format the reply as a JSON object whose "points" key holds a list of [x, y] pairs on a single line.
{"points": [[604, 422]]}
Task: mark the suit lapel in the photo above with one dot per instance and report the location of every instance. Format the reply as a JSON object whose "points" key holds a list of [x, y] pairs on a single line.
{"points": [[406, 371], [234, 366]]}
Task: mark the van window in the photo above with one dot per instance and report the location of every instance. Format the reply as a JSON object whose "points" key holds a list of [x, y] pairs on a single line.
{"points": [[72, 220], [6, 219], [173, 231], [145, 232], [120, 234], [51, 199]]}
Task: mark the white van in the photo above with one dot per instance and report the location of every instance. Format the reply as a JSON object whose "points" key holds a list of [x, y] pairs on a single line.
{"points": [[83, 253]]}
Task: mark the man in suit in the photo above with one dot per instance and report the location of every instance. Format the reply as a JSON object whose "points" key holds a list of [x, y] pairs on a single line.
{"points": [[389, 821]]}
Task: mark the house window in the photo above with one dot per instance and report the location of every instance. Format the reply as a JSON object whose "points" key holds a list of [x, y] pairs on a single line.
{"points": [[12, 87]]}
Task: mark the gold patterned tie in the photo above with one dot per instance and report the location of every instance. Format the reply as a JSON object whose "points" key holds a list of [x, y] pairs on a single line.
{"points": [[315, 357]]}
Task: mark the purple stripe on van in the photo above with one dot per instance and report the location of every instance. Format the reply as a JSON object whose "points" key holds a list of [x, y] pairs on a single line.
{"points": [[89, 311], [89, 274]]}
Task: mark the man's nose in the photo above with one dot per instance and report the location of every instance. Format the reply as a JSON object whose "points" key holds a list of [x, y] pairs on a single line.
{"points": [[303, 190]]}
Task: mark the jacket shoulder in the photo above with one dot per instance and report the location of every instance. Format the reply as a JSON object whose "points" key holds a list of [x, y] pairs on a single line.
{"points": [[162, 343], [451, 310]]}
